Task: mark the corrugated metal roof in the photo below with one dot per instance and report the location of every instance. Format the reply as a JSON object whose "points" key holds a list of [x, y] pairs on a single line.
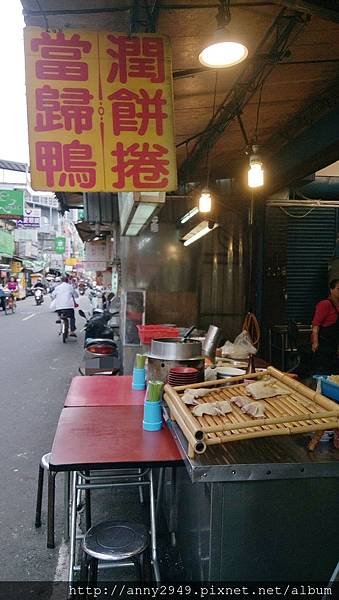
{"points": [[10, 165]]}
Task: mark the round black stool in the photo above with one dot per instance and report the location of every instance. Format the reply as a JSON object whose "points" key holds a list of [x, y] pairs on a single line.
{"points": [[115, 541]]}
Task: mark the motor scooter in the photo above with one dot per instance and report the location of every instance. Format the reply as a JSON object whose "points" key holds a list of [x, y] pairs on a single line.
{"points": [[102, 354], [38, 295]]}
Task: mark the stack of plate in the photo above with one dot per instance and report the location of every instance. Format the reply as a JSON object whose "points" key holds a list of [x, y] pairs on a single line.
{"points": [[183, 376]]}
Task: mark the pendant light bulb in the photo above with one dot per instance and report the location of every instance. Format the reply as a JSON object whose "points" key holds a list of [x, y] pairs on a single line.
{"points": [[205, 201], [255, 172], [223, 53]]}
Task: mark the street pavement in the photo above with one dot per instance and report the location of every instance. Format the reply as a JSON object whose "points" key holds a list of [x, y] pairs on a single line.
{"points": [[36, 369]]}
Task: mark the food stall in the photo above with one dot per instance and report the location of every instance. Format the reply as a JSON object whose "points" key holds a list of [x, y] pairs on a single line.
{"points": [[261, 506]]}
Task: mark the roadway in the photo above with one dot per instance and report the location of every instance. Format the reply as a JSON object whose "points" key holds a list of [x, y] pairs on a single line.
{"points": [[35, 372]]}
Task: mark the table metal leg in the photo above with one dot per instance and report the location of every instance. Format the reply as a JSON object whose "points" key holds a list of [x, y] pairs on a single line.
{"points": [[66, 504], [159, 492], [88, 504], [72, 549], [153, 529], [51, 509]]}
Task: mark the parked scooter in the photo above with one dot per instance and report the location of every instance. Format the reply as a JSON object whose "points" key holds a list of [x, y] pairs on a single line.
{"points": [[39, 296], [102, 345]]}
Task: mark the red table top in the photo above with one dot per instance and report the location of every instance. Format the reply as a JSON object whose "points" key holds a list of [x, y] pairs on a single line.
{"points": [[99, 390], [108, 437]]}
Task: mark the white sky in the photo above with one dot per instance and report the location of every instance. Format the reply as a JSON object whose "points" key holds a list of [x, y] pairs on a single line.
{"points": [[13, 119]]}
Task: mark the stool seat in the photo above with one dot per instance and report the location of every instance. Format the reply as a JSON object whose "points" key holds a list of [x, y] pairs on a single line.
{"points": [[116, 540], [45, 461]]}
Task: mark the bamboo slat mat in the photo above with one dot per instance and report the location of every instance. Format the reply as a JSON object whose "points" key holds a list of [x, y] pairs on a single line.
{"points": [[298, 410]]}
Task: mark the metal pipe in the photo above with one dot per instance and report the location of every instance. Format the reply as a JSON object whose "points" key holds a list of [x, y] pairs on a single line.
{"points": [[73, 527], [66, 504], [153, 530], [89, 11]]}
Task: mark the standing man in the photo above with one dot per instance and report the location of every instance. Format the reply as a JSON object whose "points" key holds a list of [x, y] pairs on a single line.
{"points": [[65, 295], [325, 332]]}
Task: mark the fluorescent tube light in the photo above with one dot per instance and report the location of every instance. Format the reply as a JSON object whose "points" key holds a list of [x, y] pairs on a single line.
{"points": [[189, 215], [198, 232]]}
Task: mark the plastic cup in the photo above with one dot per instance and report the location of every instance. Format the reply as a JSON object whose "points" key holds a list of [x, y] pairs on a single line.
{"points": [[138, 379], [152, 416]]}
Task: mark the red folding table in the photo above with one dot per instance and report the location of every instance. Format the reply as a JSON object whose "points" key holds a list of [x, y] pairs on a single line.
{"points": [[99, 390], [93, 438]]}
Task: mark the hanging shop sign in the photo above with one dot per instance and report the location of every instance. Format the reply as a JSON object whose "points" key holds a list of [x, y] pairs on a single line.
{"points": [[60, 245], [31, 219], [100, 111], [71, 262], [6, 243], [16, 266], [11, 204]]}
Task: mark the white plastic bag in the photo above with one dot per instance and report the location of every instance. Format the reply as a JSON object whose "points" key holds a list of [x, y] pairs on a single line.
{"points": [[52, 306], [241, 347]]}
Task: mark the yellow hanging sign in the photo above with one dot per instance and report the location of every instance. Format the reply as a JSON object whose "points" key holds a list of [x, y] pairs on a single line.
{"points": [[100, 111]]}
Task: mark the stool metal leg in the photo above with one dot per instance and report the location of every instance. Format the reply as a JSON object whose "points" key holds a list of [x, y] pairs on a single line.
{"points": [[66, 505], [51, 509], [93, 571], [39, 497], [141, 492], [138, 568]]}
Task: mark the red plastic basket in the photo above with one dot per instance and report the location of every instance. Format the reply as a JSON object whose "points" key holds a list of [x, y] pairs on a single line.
{"points": [[147, 333]]}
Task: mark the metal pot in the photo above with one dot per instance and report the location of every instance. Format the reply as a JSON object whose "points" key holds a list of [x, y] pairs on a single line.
{"points": [[175, 349]]}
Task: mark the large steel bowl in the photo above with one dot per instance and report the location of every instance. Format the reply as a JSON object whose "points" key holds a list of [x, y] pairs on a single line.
{"points": [[176, 349]]}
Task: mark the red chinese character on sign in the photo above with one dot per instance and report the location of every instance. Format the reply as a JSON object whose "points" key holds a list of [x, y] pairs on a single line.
{"points": [[125, 117], [72, 105], [61, 58], [136, 57], [70, 160], [76, 110], [145, 166], [48, 109]]}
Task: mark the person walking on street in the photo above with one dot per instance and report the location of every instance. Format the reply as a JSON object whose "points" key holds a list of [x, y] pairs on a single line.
{"points": [[325, 332], [3, 299], [65, 301]]}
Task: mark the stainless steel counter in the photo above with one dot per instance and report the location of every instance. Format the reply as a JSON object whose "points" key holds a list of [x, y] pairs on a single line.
{"points": [[277, 457]]}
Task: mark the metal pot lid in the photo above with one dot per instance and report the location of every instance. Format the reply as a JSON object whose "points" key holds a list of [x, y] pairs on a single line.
{"points": [[183, 360]]}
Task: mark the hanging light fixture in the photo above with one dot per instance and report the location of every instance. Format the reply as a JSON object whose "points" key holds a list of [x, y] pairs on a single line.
{"points": [[198, 232], [189, 215], [205, 201], [255, 172], [222, 51]]}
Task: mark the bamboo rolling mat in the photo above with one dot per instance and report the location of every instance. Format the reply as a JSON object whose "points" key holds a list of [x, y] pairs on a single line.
{"points": [[298, 410]]}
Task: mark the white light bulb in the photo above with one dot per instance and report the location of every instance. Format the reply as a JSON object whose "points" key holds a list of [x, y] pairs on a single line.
{"points": [[205, 202], [223, 54], [255, 175]]}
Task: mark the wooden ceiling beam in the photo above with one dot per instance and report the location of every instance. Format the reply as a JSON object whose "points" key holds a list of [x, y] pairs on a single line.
{"points": [[252, 76], [323, 8]]}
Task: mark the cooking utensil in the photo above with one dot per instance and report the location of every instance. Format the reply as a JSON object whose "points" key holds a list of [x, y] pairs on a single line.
{"points": [[188, 333], [211, 341]]}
